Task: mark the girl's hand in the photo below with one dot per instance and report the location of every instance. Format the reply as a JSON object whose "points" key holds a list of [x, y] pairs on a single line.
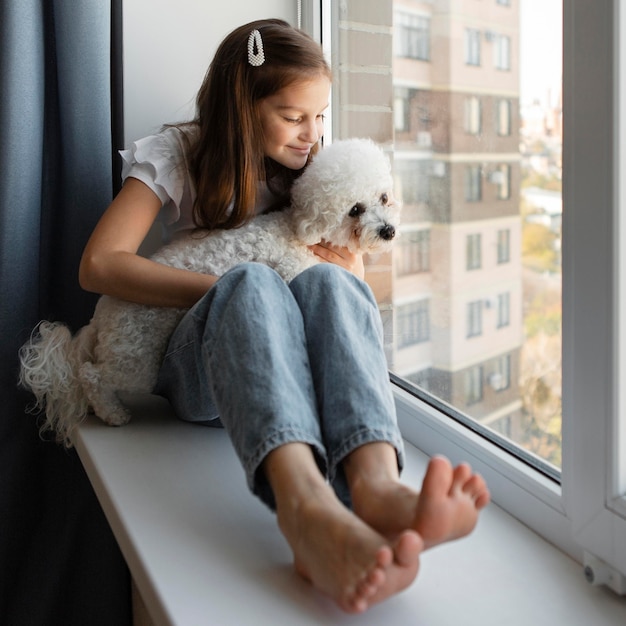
{"points": [[350, 261]]}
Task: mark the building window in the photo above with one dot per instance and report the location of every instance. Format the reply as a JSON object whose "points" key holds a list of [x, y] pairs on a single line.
{"points": [[504, 245], [414, 252], [474, 384], [502, 52], [473, 183], [412, 180], [472, 46], [412, 38], [503, 118], [473, 252], [402, 109], [474, 318], [501, 177], [500, 379], [472, 115], [413, 323], [504, 309], [504, 3]]}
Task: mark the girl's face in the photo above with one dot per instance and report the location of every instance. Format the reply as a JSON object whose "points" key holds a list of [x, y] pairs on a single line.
{"points": [[293, 121]]}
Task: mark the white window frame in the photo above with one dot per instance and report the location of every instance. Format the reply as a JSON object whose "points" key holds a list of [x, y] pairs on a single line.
{"points": [[586, 511], [504, 309], [472, 47], [472, 115], [502, 52]]}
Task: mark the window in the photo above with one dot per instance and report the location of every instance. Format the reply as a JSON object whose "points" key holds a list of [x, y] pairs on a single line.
{"points": [[503, 117], [414, 252], [472, 115], [413, 323], [474, 385], [474, 318], [473, 183], [504, 309], [412, 180], [501, 177], [576, 129], [402, 109], [412, 38], [472, 46], [473, 252], [500, 379], [504, 245], [502, 52]]}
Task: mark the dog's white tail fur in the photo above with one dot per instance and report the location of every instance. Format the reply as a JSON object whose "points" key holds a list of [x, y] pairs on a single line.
{"points": [[49, 364]]}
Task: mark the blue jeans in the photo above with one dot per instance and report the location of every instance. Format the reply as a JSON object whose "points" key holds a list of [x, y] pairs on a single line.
{"points": [[276, 363]]}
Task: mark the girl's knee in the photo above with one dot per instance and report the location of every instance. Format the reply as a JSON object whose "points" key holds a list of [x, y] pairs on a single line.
{"points": [[325, 272], [250, 276], [251, 270], [328, 277]]}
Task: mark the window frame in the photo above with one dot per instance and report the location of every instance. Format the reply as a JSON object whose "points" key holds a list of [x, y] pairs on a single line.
{"points": [[472, 47], [502, 52], [473, 182], [413, 316], [503, 246], [414, 32], [503, 117], [585, 511]]}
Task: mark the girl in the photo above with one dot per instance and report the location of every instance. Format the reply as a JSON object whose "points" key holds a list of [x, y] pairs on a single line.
{"points": [[295, 373]]}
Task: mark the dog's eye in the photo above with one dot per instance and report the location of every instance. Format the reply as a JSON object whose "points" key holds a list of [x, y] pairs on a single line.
{"points": [[356, 210], [384, 198]]}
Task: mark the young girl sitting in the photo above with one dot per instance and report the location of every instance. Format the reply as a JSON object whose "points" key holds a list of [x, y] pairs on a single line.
{"points": [[295, 373]]}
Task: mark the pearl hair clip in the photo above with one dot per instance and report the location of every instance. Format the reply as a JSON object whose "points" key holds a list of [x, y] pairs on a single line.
{"points": [[258, 58]]}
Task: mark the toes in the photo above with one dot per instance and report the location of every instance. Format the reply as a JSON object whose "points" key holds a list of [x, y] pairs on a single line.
{"points": [[476, 488], [439, 476], [384, 557], [365, 589], [408, 547], [461, 475]]}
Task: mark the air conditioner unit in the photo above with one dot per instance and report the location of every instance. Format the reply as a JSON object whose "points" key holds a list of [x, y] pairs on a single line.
{"points": [[497, 177], [438, 169], [424, 139], [496, 381]]}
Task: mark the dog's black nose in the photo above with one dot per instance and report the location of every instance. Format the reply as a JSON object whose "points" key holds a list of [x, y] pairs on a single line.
{"points": [[387, 232]]}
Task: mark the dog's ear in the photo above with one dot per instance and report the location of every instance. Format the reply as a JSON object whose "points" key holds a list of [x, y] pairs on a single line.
{"points": [[312, 223]]}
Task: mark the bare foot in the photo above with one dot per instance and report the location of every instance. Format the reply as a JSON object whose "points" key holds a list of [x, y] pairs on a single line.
{"points": [[343, 557], [446, 509], [449, 502]]}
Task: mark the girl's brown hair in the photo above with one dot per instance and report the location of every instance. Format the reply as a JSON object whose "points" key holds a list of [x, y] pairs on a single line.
{"points": [[226, 157]]}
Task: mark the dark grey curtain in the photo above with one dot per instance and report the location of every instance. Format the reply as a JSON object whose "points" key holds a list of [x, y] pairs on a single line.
{"points": [[59, 563]]}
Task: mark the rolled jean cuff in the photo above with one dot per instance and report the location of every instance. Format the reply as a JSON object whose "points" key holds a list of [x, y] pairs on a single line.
{"points": [[256, 479], [360, 438]]}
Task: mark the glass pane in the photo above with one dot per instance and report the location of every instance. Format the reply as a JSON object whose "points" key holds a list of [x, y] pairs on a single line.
{"points": [[472, 302]]}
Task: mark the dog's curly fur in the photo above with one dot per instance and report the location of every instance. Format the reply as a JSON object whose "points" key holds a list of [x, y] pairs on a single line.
{"points": [[344, 197]]}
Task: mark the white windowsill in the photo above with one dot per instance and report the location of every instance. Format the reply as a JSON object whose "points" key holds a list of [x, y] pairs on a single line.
{"points": [[203, 551]]}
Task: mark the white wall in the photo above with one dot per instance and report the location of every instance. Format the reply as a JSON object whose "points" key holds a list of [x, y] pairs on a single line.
{"points": [[168, 45]]}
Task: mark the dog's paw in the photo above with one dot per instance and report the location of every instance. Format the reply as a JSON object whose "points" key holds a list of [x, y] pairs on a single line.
{"points": [[115, 417]]}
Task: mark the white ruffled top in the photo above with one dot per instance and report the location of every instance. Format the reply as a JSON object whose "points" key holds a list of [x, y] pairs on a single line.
{"points": [[159, 161]]}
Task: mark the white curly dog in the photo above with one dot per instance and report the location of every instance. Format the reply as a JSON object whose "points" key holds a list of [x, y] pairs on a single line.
{"points": [[344, 197]]}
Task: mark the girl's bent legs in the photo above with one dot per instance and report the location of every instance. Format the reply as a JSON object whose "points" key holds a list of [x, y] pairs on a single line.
{"points": [[358, 420], [247, 339], [345, 345]]}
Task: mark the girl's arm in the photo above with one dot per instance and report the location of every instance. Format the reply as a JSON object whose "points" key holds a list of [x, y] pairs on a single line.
{"points": [[110, 263]]}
